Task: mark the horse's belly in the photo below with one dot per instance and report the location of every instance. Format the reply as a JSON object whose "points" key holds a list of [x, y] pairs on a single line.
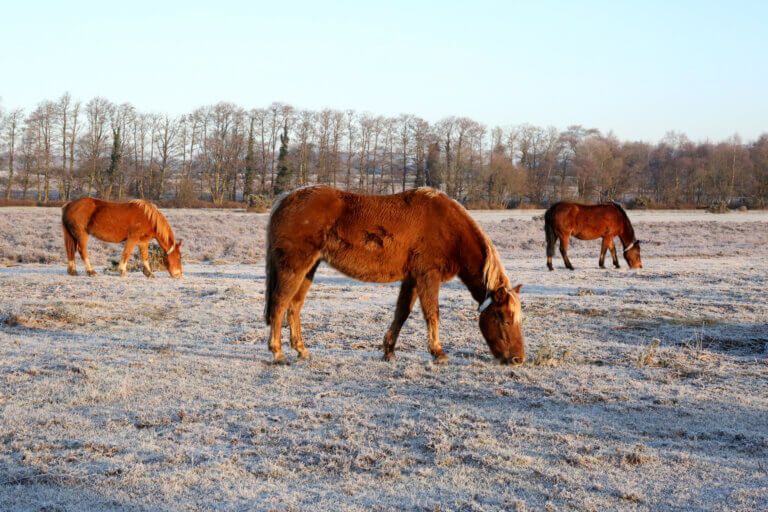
{"points": [[369, 266], [587, 234], [107, 230]]}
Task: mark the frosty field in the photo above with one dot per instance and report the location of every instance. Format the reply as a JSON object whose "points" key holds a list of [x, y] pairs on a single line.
{"points": [[642, 390]]}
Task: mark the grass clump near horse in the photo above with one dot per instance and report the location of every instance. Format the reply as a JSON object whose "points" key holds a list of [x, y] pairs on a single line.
{"points": [[136, 223], [155, 260], [589, 222], [421, 238]]}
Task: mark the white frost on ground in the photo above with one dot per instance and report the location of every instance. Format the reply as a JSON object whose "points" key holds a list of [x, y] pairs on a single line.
{"points": [[137, 394]]}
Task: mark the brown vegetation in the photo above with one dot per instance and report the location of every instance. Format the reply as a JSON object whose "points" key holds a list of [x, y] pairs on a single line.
{"points": [[221, 154]]}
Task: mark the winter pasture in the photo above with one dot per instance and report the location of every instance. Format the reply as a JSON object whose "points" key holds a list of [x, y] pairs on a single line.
{"points": [[643, 390]]}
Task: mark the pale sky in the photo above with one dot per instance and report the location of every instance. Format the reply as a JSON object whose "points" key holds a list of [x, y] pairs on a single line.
{"points": [[637, 68]]}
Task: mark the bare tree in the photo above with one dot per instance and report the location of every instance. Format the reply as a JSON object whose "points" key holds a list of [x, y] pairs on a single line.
{"points": [[12, 124]]}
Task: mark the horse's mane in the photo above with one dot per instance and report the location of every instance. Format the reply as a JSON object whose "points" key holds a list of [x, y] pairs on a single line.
{"points": [[157, 219], [621, 209], [626, 217], [493, 271]]}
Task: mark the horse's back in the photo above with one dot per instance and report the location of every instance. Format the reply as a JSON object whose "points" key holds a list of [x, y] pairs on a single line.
{"points": [[368, 237], [586, 222], [107, 220]]}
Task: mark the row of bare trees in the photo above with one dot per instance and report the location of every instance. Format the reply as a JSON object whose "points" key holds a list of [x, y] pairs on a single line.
{"points": [[221, 153]]}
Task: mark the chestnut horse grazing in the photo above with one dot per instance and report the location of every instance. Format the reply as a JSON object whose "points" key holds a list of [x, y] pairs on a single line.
{"points": [[136, 222], [419, 237], [586, 222]]}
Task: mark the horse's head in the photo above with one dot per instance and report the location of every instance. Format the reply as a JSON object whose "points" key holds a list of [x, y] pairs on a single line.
{"points": [[172, 260], [500, 319], [632, 255]]}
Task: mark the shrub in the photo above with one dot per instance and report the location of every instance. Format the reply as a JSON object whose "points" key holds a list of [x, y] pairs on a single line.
{"points": [[640, 203], [257, 203], [134, 264], [718, 207], [185, 194]]}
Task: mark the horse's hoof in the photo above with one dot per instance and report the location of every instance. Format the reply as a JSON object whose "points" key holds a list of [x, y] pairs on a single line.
{"points": [[280, 360], [388, 356], [91, 273], [441, 359], [150, 276], [72, 272], [304, 354]]}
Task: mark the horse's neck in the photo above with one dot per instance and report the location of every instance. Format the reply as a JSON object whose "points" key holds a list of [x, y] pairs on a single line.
{"points": [[627, 234], [472, 276], [164, 245], [476, 286]]}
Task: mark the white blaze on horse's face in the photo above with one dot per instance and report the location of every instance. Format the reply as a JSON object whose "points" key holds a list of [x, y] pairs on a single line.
{"points": [[172, 260], [632, 255], [500, 320]]}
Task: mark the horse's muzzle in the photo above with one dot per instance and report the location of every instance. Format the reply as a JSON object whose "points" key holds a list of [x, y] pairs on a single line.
{"points": [[513, 361]]}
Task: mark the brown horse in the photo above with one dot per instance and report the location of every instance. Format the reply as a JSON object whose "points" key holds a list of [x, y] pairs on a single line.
{"points": [[419, 237], [136, 222], [586, 222]]}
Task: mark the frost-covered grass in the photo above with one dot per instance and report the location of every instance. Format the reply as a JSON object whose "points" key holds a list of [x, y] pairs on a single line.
{"points": [[642, 391]]}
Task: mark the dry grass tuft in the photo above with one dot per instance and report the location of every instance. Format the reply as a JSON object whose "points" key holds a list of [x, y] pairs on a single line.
{"points": [[647, 355]]}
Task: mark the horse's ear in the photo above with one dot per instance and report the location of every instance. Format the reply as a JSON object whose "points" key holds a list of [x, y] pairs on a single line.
{"points": [[178, 244], [516, 289], [500, 295]]}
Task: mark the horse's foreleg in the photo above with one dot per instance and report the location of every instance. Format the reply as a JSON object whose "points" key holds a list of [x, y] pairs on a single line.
{"points": [[82, 245], [294, 312], [603, 249], [405, 301], [127, 250], [428, 290], [613, 253], [564, 250], [144, 249]]}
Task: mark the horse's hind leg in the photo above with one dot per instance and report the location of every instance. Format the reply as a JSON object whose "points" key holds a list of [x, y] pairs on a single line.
{"points": [[82, 246], [70, 244], [405, 301], [428, 289], [286, 285], [550, 252], [294, 312], [144, 249], [564, 250]]}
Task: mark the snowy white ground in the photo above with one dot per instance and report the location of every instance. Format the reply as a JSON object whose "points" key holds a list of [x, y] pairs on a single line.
{"points": [[136, 394]]}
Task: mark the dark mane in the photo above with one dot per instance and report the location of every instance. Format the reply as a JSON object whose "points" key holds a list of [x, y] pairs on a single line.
{"points": [[621, 209]]}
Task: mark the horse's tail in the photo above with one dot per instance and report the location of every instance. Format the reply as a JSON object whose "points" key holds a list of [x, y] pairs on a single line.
{"points": [[270, 268], [70, 242], [271, 282], [549, 231]]}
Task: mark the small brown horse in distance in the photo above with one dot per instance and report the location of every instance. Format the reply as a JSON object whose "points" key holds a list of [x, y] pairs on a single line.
{"points": [[419, 237], [588, 222], [135, 222]]}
